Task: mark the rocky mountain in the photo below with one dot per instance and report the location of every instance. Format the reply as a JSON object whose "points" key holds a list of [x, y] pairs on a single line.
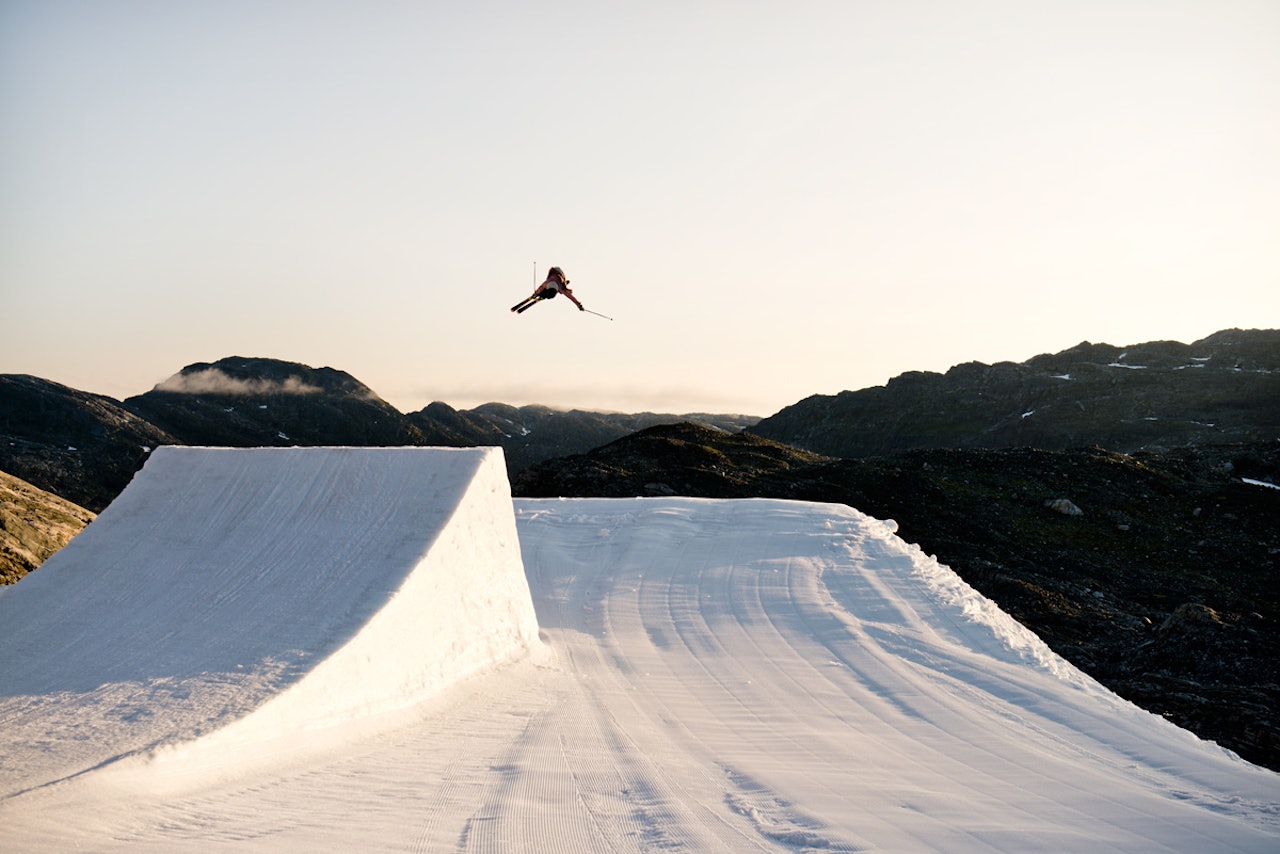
{"points": [[247, 402], [1154, 572], [33, 525], [530, 434], [86, 447], [678, 459], [80, 446], [241, 402], [1164, 394], [450, 427]]}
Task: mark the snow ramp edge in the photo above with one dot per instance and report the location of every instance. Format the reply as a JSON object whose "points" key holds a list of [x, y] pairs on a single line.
{"points": [[234, 600]]}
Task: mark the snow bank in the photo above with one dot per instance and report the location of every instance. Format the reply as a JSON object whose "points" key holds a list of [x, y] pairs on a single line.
{"points": [[953, 591], [231, 597]]}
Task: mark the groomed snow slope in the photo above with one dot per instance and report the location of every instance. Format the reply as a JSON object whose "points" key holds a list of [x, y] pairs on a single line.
{"points": [[716, 676], [232, 597]]}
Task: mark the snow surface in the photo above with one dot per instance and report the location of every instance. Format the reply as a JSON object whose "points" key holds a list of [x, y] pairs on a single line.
{"points": [[713, 675], [234, 597]]}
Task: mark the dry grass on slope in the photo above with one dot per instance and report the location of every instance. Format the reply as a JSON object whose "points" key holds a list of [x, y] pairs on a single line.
{"points": [[33, 525]]}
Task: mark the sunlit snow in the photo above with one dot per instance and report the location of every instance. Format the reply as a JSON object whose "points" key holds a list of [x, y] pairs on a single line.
{"points": [[335, 649]]}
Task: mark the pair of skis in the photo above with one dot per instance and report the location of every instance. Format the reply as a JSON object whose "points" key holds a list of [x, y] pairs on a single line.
{"points": [[528, 303], [525, 303]]}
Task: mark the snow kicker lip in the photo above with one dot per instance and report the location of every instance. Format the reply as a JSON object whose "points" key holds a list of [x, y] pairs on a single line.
{"points": [[246, 595]]}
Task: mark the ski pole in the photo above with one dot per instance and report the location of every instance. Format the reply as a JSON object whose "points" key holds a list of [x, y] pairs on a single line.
{"points": [[597, 314]]}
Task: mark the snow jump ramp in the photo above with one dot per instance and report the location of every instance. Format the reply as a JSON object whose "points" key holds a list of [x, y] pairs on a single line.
{"points": [[232, 599]]}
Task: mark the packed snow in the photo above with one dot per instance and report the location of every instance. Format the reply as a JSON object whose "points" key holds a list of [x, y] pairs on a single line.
{"points": [[335, 649], [234, 597]]}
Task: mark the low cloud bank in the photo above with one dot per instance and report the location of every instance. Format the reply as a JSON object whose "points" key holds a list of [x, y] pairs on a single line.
{"points": [[214, 381]]}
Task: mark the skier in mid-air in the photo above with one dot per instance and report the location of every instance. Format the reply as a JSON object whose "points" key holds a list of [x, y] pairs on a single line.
{"points": [[556, 283]]}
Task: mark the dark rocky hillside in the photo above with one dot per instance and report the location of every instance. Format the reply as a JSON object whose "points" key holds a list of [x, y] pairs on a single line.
{"points": [[1154, 572], [259, 402], [531, 434], [447, 426], [1221, 389], [86, 447], [83, 447], [679, 459], [243, 402]]}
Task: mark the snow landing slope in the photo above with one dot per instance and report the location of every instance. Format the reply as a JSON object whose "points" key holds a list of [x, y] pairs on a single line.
{"points": [[236, 596], [743, 675]]}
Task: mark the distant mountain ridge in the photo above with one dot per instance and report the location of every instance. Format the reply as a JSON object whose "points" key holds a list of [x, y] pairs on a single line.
{"points": [[1223, 388], [1163, 394], [246, 402], [531, 434], [86, 447]]}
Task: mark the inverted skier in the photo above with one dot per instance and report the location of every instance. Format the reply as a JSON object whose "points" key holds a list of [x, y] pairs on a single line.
{"points": [[556, 283]]}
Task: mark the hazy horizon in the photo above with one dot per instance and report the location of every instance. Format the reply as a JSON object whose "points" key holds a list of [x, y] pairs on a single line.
{"points": [[207, 382]]}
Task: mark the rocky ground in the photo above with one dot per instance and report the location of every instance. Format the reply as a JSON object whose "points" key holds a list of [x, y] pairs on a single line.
{"points": [[1156, 573]]}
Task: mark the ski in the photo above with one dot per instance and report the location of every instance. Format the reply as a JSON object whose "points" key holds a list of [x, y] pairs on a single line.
{"points": [[526, 304]]}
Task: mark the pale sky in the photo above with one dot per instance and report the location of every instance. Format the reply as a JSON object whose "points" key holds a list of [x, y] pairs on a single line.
{"points": [[771, 199]]}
